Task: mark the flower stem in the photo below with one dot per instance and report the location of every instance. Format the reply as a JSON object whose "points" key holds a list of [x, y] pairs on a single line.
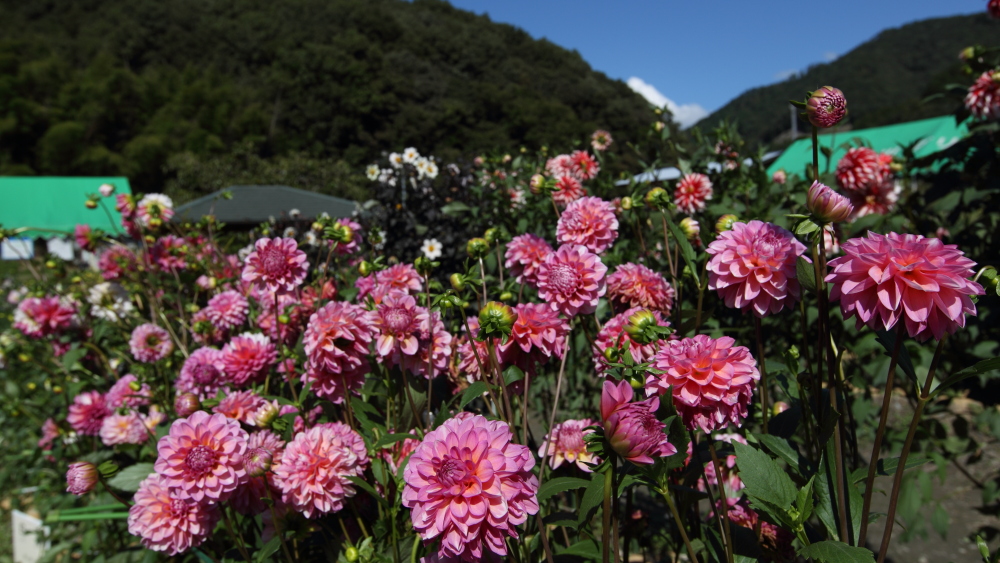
{"points": [[665, 492], [879, 433], [277, 528], [238, 537], [815, 139], [726, 529], [764, 403], [609, 486], [897, 480]]}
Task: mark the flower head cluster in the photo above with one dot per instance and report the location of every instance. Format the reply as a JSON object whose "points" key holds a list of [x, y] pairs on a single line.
{"points": [[884, 279], [336, 344], [691, 193], [584, 166], [150, 343], [983, 99], [572, 280], [753, 267], [398, 321], [525, 254], [201, 458], [632, 429], [635, 285], [169, 253], [861, 168], [276, 265], [115, 262], [398, 278], [568, 189], [565, 443], [468, 485], [588, 221], [712, 380], [241, 405]]}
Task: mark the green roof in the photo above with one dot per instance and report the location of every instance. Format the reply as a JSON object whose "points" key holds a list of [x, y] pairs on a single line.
{"points": [[934, 134], [56, 203]]}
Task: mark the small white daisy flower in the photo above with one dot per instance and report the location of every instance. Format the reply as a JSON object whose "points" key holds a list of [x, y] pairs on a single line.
{"points": [[431, 249]]}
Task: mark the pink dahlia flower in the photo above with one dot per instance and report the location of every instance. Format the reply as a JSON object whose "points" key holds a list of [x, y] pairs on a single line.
{"points": [[50, 431], [538, 334], [288, 333], [468, 485], [202, 457], [993, 8], [312, 473], [122, 393], [983, 99], [115, 262], [276, 265], [827, 205], [826, 107], [584, 166], [241, 406], [166, 519], [635, 285], [353, 246], [227, 310], [712, 380], [204, 331], [123, 429], [589, 221], [81, 478], [601, 139], [525, 254], [154, 206], [691, 193], [472, 352], [248, 358], [41, 316], [780, 177], [399, 451], [125, 204], [434, 351], [860, 168], [572, 280], [398, 321], [150, 343], [85, 237], [399, 278], [875, 199], [560, 165], [87, 413], [612, 334], [753, 267], [567, 444], [883, 279], [568, 189], [203, 374], [170, 253], [263, 449], [336, 344], [632, 429]]}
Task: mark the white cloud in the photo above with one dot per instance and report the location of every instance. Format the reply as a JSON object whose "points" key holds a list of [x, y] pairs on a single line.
{"points": [[830, 56], [785, 74], [686, 115]]}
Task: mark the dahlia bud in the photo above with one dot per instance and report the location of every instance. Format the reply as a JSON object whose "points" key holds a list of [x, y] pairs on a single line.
{"points": [[423, 265], [496, 319], [351, 554], [779, 408], [81, 478], [150, 239], [626, 203], [780, 177], [155, 222], [537, 181], [340, 233], [826, 205], [134, 386], [457, 281], [106, 189], [726, 222], [659, 125], [91, 204], [826, 107], [967, 54], [643, 327], [78, 279], [491, 235], [506, 158], [690, 228], [632, 429], [186, 404], [264, 416], [506, 296], [657, 197], [258, 462], [477, 247], [57, 389], [284, 319], [365, 268]]}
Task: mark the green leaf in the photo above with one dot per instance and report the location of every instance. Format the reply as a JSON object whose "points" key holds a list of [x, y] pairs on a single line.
{"points": [[763, 477], [686, 250], [269, 549], [455, 208], [473, 392], [804, 502], [781, 448], [512, 374], [837, 552], [940, 520], [980, 368], [592, 497], [390, 439], [128, 479], [558, 485], [369, 489], [806, 274], [806, 227], [586, 549]]}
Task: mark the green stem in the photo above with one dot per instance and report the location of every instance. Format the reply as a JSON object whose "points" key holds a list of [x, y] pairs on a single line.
{"points": [[236, 536], [727, 529], [609, 485], [665, 492], [57, 517], [764, 403], [277, 527], [815, 139]]}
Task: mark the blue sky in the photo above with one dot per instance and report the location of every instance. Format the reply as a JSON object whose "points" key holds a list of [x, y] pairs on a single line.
{"points": [[697, 55]]}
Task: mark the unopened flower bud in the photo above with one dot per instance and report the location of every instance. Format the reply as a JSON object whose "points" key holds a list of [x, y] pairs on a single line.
{"points": [[91, 204], [780, 177], [57, 389], [76, 279], [150, 239], [284, 319], [659, 125], [365, 268], [537, 181], [610, 354], [317, 226], [258, 462], [423, 264], [186, 404], [725, 222], [779, 408], [826, 107], [506, 296], [657, 197], [155, 222], [192, 308], [81, 478], [477, 247], [352, 554], [639, 324], [106, 189], [491, 235], [626, 203], [826, 205], [690, 228], [264, 416], [134, 386], [457, 281], [496, 320], [50, 264]]}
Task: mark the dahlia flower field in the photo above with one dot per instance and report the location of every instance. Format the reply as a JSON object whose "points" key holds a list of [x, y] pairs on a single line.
{"points": [[521, 358]]}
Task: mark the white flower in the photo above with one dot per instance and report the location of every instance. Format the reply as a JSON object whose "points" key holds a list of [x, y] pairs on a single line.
{"points": [[431, 249], [16, 295], [396, 160], [109, 302], [517, 198], [421, 165], [290, 232], [294, 213], [152, 205], [106, 189], [410, 155], [310, 238], [378, 238], [244, 252], [372, 172], [431, 169]]}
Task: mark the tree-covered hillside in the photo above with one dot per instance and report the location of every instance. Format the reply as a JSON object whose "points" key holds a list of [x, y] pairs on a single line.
{"points": [[885, 79], [178, 94]]}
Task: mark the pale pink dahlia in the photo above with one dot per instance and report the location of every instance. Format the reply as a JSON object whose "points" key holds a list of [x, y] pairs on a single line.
{"points": [[202, 457], [983, 99], [589, 221], [150, 343], [753, 267], [635, 285], [241, 406], [434, 351], [312, 473], [50, 431], [227, 310], [691, 193], [632, 429], [263, 449], [41, 316], [712, 380], [336, 344], [468, 485], [572, 280], [538, 334], [568, 189], [276, 265], [883, 279], [81, 478], [567, 444], [87, 413], [559, 166], [122, 393], [399, 278], [860, 168], [166, 519], [248, 358], [123, 429], [203, 373], [398, 321], [584, 166], [601, 140], [613, 334], [525, 254]]}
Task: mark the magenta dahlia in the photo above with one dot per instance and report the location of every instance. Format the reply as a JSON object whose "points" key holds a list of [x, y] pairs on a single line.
{"points": [[826, 107], [560, 165], [434, 351], [128, 393], [613, 334], [87, 413], [276, 265], [635, 285], [538, 334], [566, 444], [753, 267], [572, 280], [170, 252], [202, 457], [42, 316], [589, 221], [398, 321], [227, 310], [468, 485], [203, 374], [166, 519], [875, 199], [983, 99], [312, 473], [81, 478], [712, 380], [691, 193], [882, 279], [85, 237], [150, 343], [115, 261], [248, 358], [632, 429], [525, 254], [336, 343]]}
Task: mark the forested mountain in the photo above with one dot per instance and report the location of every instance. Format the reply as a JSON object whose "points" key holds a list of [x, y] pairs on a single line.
{"points": [[192, 94], [885, 79]]}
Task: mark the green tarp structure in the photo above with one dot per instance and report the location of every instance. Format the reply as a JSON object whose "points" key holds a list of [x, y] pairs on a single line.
{"points": [[931, 135], [57, 203]]}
